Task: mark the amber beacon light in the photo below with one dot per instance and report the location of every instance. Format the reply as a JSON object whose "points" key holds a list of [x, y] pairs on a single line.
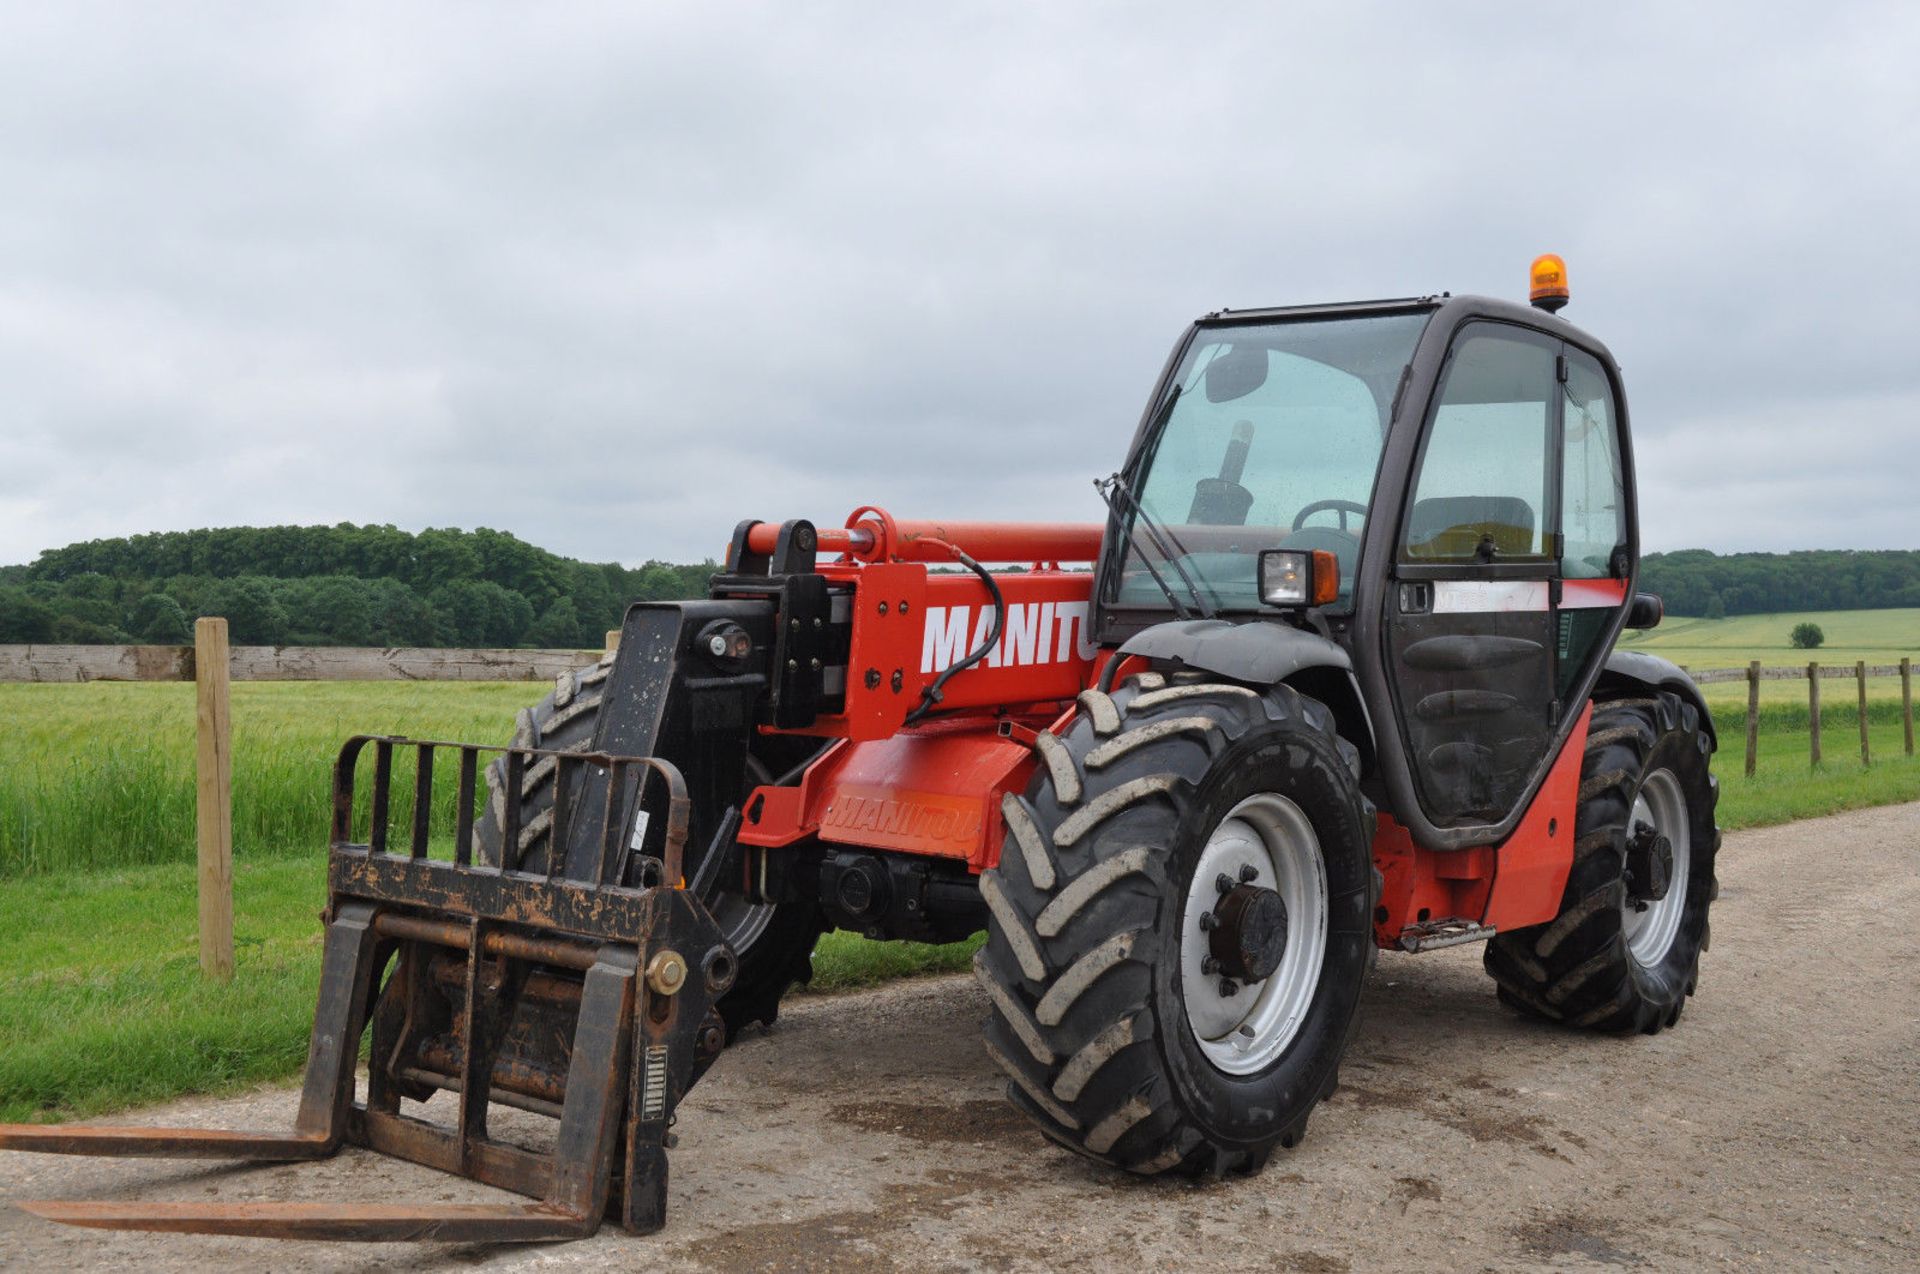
{"points": [[1549, 286]]}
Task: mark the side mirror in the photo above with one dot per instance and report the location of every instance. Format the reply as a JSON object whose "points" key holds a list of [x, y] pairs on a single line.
{"points": [[1646, 611], [1292, 577]]}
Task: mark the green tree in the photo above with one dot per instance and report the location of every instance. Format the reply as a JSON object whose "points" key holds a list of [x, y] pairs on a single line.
{"points": [[23, 617], [1716, 608], [558, 628], [254, 615], [1807, 636], [158, 618]]}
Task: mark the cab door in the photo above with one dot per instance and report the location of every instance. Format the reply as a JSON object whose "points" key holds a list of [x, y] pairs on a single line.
{"points": [[1471, 629]]}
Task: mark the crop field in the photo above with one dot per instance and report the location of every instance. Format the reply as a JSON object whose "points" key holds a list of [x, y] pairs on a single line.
{"points": [[103, 1005]]}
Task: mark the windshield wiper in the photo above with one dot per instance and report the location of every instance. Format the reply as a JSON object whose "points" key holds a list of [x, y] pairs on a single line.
{"points": [[1161, 537]]}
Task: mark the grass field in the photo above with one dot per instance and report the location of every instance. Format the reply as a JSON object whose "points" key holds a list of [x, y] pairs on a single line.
{"points": [[102, 1004], [1877, 636]]}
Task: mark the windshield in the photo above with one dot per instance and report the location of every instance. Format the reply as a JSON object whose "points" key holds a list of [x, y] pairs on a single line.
{"points": [[1272, 442]]}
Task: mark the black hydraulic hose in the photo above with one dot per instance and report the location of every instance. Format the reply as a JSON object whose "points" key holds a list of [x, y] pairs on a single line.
{"points": [[931, 696]]}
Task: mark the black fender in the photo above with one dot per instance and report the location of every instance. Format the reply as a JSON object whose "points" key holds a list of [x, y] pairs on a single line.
{"points": [[1630, 672], [1265, 654]]}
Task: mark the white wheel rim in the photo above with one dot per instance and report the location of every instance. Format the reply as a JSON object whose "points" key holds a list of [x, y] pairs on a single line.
{"points": [[1650, 932], [1243, 1033]]}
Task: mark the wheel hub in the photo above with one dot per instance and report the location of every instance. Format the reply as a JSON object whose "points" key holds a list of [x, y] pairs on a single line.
{"points": [[1248, 937], [1253, 933], [1649, 865]]}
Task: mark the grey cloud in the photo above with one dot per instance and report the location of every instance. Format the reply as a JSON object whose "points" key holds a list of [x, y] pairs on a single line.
{"points": [[613, 278]]}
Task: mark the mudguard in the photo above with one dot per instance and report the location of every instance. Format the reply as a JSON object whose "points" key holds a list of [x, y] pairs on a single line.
{"points": [[1630, 670], [1265, 654]]}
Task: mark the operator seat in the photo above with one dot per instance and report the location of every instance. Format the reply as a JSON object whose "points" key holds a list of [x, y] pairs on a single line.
{"points": [[1453, 526]]}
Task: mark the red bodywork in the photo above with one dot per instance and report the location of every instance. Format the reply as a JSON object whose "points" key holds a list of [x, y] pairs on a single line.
{"points": [[935, 788]]}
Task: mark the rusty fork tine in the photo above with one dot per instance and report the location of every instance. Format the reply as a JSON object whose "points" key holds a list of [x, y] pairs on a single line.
{"points": [[163, 1143], [363, 1222]]}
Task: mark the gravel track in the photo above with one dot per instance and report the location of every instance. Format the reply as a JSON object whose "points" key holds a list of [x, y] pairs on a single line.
{"points": [[1780, 1122]]}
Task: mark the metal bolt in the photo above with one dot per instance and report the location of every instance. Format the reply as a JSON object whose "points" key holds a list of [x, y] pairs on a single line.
{"points": [[1224, 883], [903, 608], [1208, 922], [793, 665], [1248, 871], [794, 624], [819, 624], [718, 645], [666, 972], [899, 679], [1229, 987], [883, 608], [873, 678], [1210, 966], [814, 664]]}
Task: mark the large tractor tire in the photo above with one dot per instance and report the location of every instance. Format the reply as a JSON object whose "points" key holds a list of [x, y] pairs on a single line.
{"points": [[1180, 925], [774, 942], [1623, 955]]}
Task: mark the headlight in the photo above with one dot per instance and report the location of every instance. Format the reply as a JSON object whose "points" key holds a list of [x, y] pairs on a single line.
{"points": [[1290, 577]]}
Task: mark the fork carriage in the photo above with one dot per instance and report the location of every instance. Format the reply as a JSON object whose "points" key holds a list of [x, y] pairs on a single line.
{"points": [[587, 1000]]}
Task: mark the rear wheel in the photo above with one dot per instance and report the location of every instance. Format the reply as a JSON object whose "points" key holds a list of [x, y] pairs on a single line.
{"points": [[1179, 925], [1624, 953], [773, 942]]}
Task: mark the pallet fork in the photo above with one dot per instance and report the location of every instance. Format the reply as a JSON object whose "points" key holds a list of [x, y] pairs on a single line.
{"points": [[554, 986]]}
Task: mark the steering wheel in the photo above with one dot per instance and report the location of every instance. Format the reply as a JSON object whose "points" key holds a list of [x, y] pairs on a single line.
{"points": [[1343, 507]]}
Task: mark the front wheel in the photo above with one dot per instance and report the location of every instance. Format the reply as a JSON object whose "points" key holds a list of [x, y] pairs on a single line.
{"points": [[1180, 925]]}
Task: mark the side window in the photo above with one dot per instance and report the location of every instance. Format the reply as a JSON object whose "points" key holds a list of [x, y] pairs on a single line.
{"points": [[1593, 515], [1482, 490], [1593, 496]]}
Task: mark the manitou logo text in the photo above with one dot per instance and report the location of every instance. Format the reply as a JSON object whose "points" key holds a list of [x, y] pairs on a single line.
{"points": [[1035, 633], [909, 820]]}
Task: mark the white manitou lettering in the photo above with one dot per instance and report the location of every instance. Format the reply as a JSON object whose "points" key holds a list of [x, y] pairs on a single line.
{"points": [[1034, 633]]}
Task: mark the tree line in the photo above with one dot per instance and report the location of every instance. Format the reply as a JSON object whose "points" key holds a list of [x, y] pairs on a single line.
{"points": [[351, 585], [342, 585], [1697, 582]]}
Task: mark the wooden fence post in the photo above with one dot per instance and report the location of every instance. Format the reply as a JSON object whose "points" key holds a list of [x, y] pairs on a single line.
{"points": [[213, 795], [1813, 708], [1906, 699], [1860, 675], [613, 640], [1753, 716]]}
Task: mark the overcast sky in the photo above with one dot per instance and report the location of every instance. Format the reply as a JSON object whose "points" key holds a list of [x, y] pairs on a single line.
{"points": [[612, 278]]}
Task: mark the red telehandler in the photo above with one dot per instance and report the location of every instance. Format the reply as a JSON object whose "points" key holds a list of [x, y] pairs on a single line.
{"points": [[1338, 673]]}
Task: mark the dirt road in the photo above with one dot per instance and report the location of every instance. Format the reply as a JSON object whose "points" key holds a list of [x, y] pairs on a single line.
{"points": [[1779, 1123]]}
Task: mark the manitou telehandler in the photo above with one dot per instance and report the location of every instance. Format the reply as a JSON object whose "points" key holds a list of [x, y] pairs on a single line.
{"points": [[1341, 676]]}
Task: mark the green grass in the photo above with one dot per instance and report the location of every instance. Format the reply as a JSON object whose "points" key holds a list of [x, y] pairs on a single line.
{"points": [[103, 1004], [1877, 636], [100, 775]]}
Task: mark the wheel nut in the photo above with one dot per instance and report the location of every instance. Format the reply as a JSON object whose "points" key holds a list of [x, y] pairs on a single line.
{"points": [[1248, 872], [1229, 987], [1224, 883], [1209, 966], [1208, 922]]}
